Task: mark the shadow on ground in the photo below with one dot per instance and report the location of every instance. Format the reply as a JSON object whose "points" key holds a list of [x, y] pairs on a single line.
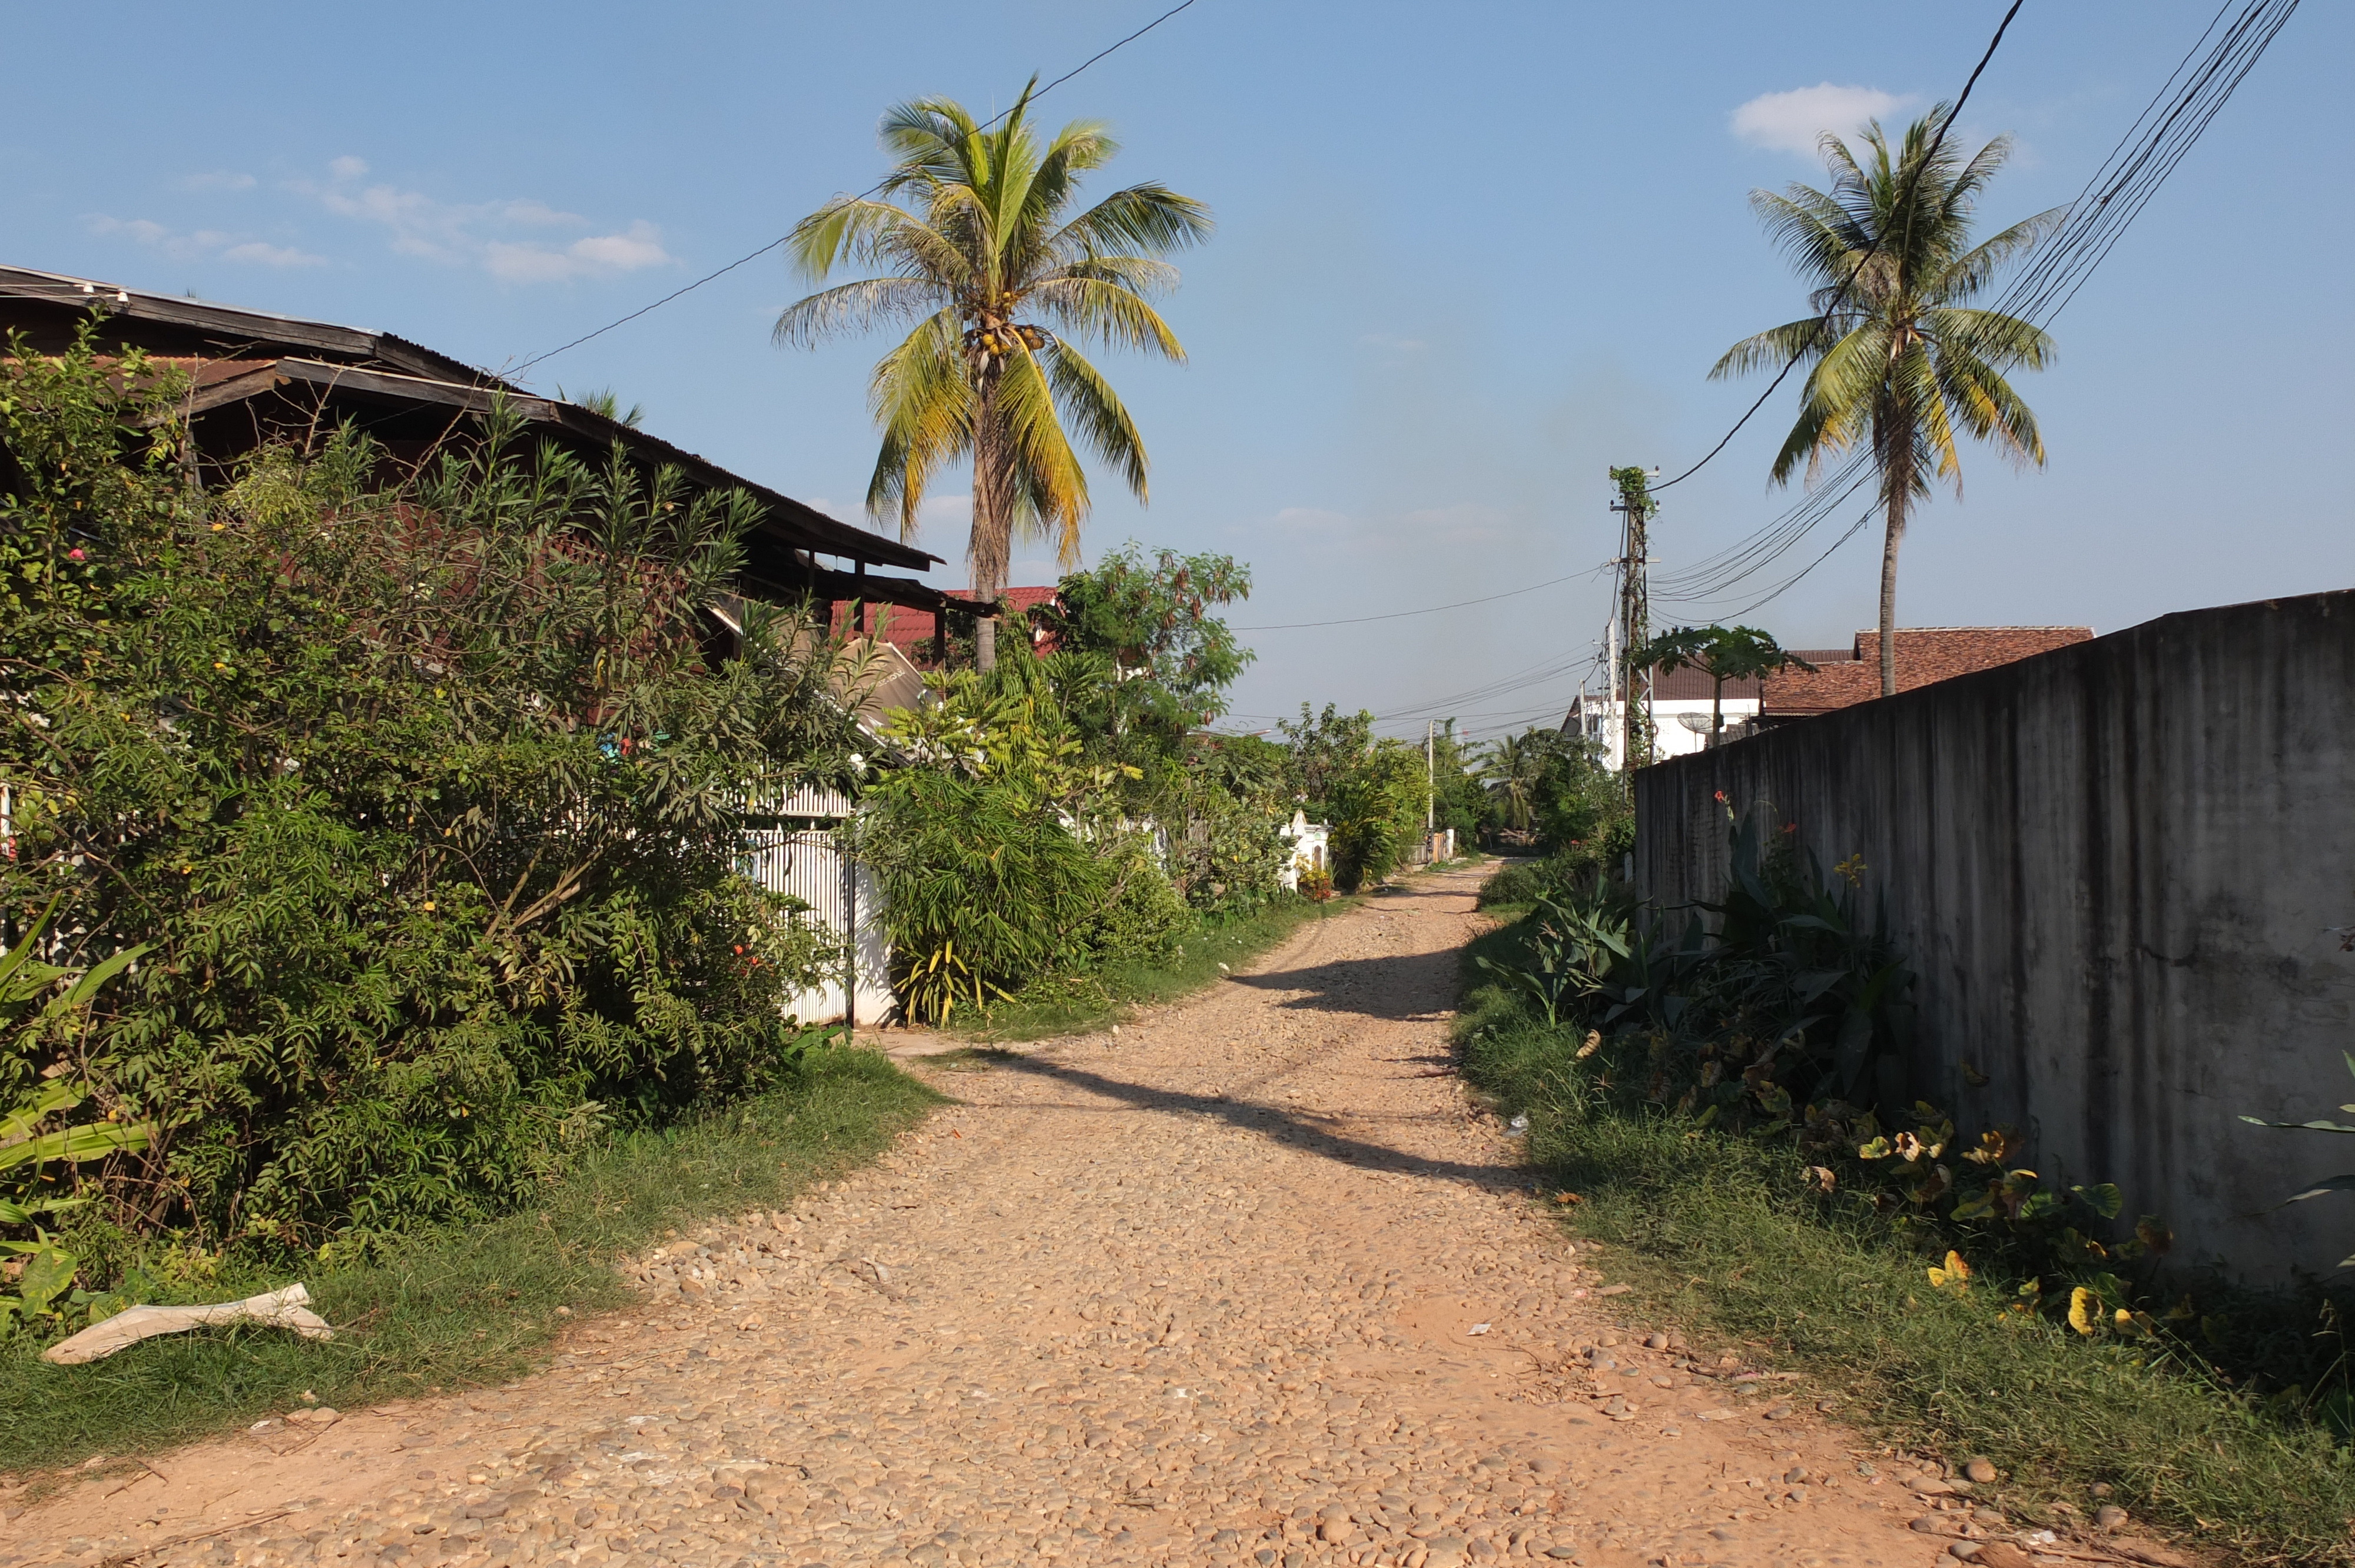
{"points": [[1308, 1131]]}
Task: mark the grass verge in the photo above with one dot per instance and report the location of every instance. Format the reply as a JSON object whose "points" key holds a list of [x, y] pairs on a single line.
{"points": [[469, 1305], [1716, 1233], [1076, 1003]]}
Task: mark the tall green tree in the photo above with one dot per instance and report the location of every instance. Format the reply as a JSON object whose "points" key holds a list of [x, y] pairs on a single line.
{"points": [[1901, 360], [1000, 278]]}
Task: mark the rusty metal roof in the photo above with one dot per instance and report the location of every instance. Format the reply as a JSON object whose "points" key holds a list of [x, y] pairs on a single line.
{"points": [[239, 354]]}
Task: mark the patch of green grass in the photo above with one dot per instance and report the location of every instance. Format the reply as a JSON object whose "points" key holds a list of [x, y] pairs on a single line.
{"points": [[469, 1305], [1076, 1003], [1717, 1233]]}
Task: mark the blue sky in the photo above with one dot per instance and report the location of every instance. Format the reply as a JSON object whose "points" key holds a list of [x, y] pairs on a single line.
{"points": [[1468, 257]]}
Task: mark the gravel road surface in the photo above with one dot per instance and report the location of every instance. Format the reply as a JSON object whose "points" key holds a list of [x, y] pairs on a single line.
{"points": [[1251, 1282]]}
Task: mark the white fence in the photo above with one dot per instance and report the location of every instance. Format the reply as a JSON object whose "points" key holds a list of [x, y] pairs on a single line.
{"points": [[807, 863]]}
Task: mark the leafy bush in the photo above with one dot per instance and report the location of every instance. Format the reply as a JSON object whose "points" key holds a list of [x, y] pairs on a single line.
{"points": [[983, 885], [422, 790], [1788, 1021], [1139, 917], [1575, 873], [1373, 793]]}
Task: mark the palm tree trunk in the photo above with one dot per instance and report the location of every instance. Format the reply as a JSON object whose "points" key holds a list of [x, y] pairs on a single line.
{"points": [[991, 538], [1896, 531]]}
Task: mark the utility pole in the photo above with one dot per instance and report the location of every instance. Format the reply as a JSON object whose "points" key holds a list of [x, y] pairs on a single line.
{"points": [[1430, 781], [1611, 677], [1634, 622]]}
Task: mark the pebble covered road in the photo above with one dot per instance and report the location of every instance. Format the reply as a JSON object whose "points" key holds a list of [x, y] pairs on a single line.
{"points": [[1251, 1282]]}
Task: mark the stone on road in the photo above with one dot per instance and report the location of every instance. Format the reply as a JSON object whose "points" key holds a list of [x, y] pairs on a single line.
{"points": [[1204, 1294]]}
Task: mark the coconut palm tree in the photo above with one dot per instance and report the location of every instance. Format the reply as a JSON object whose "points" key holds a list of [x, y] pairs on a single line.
{"points": [[1512, 769], [999, 276], [1902, 361]]}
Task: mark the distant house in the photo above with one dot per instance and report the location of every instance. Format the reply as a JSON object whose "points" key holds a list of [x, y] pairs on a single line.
{"points": [[1680, 714], [1926, 654], [917, 633], [1841, 678]]}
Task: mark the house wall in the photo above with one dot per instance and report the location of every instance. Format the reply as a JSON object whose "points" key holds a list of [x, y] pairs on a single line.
{"points": [[2115, 868]]}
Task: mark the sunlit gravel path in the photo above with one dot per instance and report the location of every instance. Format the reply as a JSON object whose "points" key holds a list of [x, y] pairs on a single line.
{"points": [[1251, 1282]]}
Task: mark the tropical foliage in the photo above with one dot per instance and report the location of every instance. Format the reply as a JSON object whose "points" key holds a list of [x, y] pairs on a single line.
{"points": [[1555, 783], [1723, 653], [1372, 791], [1778, 1014], [1064, 811], [1001, 280], [2326, 1184], [1901, 361], [420, 794]]}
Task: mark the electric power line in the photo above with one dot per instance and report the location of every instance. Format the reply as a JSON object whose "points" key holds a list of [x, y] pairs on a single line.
{"points": [[771, 245]]}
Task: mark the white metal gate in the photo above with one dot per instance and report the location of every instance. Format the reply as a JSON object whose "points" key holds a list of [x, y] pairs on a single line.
{"points": [[807, 863]]}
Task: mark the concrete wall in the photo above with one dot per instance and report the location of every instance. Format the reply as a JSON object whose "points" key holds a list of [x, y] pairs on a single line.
{"points": [[2114, 867]]}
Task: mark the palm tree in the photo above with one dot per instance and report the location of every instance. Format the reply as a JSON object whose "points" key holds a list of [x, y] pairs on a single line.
{"points": [[1901, 361], [1513, 769], [998, 276]]}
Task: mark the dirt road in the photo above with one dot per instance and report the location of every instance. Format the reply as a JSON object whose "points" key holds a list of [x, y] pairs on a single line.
{"points": [[1249, 1283]]}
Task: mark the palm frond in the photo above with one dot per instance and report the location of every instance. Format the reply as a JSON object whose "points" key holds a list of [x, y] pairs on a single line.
{"points": [[1986, 405], [2004, 341], [1774, 348], [839, 232], [1095, 411], [920, 395], [1964, 276], [1149, 218], [1107, 313], [1051, 487], [854, 307]]}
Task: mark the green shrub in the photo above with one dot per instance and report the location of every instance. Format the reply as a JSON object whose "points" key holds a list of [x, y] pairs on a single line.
{"points": [[423, 794], [983, 887], [1567, 874], [1140, 919]]}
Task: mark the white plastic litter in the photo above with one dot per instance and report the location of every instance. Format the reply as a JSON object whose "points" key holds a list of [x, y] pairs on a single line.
{"points": [[287, 1308]]}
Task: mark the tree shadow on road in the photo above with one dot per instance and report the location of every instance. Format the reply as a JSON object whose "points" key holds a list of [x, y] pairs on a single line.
{"points": [[1396, 989], [1290, 1125]]}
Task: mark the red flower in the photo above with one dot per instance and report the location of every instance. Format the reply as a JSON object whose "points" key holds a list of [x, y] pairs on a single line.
{"points": [[1721, 796]]}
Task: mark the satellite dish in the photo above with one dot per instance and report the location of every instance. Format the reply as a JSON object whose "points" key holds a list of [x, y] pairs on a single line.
{"points": [[1697, 722]]}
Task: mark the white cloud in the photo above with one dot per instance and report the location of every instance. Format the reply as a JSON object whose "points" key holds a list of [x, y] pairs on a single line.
{"points": [[200, 244], [500, 237], [1791, 121], [945, 512]]}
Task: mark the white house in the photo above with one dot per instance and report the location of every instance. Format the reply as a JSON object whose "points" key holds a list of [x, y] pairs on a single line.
{"points": [[1680, 709]]}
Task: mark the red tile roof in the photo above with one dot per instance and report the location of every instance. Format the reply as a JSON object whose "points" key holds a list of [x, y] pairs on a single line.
{"points": [[1926, 654], [910, 631]]}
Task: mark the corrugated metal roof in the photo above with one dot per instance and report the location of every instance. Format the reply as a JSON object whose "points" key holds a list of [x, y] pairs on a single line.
{"points": [[360, 362]]}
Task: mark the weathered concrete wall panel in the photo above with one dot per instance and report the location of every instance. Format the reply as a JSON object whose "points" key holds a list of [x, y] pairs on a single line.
{"points": [[2115, 867]]}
